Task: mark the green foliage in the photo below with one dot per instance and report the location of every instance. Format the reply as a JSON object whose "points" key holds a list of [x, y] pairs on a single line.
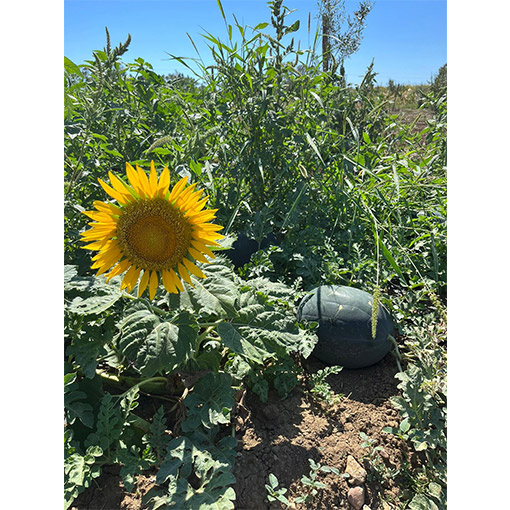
{"points": [[210, 403], [353, 195], [133, 343], [439, 83], [275, 494], [320, 388], [341, 34], [311, 483]]}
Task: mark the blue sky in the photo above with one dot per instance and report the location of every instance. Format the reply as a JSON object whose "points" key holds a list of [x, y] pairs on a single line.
{"points": [[406, 38]]}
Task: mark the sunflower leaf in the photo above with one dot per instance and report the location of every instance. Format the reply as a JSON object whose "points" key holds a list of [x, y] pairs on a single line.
{"points": [[94, 304], [154, 344], [214, 297], [166, 347], [89, 295], [259, 332]]}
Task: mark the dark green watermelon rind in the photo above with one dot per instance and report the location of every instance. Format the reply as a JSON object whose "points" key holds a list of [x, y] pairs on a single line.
{"points": [[351, 323]]}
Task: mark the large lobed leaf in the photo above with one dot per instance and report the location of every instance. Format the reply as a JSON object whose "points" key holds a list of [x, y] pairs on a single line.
{"points": [[155, 344], [259, 331], [212, 297]]}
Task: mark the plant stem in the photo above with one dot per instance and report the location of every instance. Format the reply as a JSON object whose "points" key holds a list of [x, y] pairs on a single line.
{"points": [[133, 382], [398, 356]]}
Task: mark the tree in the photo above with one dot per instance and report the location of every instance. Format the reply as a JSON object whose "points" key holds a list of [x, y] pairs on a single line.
{"points": [[341, 33]]}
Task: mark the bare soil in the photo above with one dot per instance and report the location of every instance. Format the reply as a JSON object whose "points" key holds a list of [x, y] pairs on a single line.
{"points": [[281, 436]]}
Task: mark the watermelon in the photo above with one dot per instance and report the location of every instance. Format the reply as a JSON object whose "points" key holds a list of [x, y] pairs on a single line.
{"points": [[344, 315], [244, 247]]}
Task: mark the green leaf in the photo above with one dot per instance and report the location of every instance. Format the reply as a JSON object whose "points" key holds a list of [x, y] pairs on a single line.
{"points": [[210, 402], [259, 332], [221, 9], [109, 424], [88, 345], [94, 294], [293, 28], [137, 324], [435, 489], [273, 480], [392, 262], [158, 438], [132, 464], [212, 474], [213, 297], [77, 407], [167, 346], [405, 425], [154, 345], [94, 304], [312, 144], [317, 98], [421, 502], [71, 67], [69, 273]]}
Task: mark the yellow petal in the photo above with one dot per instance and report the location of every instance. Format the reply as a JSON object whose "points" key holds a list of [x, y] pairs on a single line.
{"points": [[143, 282], [110, 251], [119, 186], [153, 284], [105, 260], [202, 216], [153, 181], [168, 282], [207, 238], [197, 255], [96, 245], [183, 197], [177, 189], [110, 209], [190, 205], [133, 179], [184, 274], [144, 182], [100, 216], [200, 205], [98, 233], [118, 269], [202, 247], [176, 280], [193, 269], [164, 182], [122, 199], [207, 227], [130, 278]]}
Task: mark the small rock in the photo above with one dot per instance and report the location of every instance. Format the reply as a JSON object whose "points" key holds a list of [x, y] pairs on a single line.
{"points": [[356, 497], [384, 454], [357, 474]]}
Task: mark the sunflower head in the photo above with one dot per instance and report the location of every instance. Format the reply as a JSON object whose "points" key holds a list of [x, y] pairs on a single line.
{"points": [[151, 232]]}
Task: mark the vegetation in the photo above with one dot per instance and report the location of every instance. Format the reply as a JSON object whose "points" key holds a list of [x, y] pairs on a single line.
{"points": [[348, 192]]}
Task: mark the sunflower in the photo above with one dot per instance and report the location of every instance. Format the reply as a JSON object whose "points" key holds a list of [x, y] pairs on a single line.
{"points": [[151, 232]]}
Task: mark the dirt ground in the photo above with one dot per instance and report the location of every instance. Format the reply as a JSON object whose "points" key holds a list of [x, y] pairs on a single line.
{"points": [[281, 436]]}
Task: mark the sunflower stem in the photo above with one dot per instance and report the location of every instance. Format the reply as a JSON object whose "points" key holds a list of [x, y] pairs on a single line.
{"points": [[133, 382], [210, 324]]}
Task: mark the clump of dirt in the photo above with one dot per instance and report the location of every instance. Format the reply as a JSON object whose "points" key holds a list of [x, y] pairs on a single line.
{"points": [[280, 437]]}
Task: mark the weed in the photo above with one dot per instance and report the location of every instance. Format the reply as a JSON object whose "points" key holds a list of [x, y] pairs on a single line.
{"points": [[320, 388]]}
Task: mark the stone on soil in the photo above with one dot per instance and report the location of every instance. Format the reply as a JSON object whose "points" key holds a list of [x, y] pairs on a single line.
{"points": [[357, 474], [356, 497]]}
